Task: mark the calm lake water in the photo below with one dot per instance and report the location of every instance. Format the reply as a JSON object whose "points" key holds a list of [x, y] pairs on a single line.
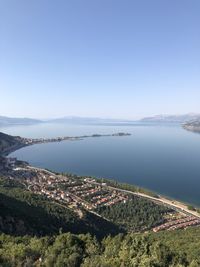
{"points": [[165, 159]]}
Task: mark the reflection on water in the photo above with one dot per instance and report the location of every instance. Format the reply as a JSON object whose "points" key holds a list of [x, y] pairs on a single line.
{"points": [[162, 158]]}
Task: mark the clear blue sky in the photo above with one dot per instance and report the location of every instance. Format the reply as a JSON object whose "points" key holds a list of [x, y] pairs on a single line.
{"points": [[100, 58]]}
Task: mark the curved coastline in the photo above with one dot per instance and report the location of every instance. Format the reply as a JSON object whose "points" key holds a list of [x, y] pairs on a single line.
{"points": [[141, 192], [23, 142]]}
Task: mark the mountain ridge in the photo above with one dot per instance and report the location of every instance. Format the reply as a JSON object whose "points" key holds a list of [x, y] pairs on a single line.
{"points": [[162, 118], [172, 118], [6, 121]]}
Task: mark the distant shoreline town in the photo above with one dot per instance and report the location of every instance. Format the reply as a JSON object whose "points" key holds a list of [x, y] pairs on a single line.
{"points": [[22, 142], [193, 126]]}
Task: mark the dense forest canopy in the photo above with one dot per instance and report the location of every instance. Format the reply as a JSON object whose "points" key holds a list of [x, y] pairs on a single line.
{"points": [[135, 215], [22, 212], [38, 232], [175, 249]]}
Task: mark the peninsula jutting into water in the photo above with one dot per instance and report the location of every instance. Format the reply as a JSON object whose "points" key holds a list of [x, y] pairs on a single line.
{"points": [[86, 192], [193, 126], [55, 207], [162, 158], [32, 141], [9, 144]]}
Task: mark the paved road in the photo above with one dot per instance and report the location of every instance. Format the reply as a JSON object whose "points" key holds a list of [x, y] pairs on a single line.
{"points": [[172, 204], [180, 207]]}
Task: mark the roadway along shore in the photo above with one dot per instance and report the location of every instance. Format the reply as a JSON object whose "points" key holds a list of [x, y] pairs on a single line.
{"points": [[175, 205]]}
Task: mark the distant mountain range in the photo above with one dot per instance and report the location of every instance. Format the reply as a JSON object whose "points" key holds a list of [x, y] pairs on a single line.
{"points": [[172, 118], [6, 121], [87, 120]]}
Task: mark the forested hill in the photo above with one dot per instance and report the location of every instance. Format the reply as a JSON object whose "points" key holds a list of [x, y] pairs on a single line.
{"points": [[35, 231], [22, 212], [167, 249], [8, 142], [193, 126]]}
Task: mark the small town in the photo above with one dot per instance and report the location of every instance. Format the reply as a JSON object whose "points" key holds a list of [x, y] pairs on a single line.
{"points": [[80, 193], [99, 133], [19, 142], [33, 141], [74, 192], [178, 224]]}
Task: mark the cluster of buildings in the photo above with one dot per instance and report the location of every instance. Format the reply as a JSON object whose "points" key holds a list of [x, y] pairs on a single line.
{"points": [[43, 182], [74, 192], [97, 194], [178, 224], [59, 195], [31, 141], [78, 192]]}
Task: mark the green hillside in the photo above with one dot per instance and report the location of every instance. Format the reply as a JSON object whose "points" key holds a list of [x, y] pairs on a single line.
{"points": [[8, 142], [169, 249], [22, 212], [36, 231], [137, 214]]}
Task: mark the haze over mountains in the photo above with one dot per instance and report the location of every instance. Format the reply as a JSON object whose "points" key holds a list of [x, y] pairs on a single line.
{"points": [[173, 118], [15, 121], [87, 120], [6, 121]]}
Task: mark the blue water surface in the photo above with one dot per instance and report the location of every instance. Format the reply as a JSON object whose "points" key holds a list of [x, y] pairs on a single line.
{"points": [[162, 158]]}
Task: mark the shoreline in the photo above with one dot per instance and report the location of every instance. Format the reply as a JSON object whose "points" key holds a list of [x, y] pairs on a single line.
{"points": [[24, 142], [161, 199], [11, 150], [176, 205]]}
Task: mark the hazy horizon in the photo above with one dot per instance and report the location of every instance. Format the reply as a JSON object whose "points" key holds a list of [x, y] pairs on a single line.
{"points": [[100, 118], [107, 59]]}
